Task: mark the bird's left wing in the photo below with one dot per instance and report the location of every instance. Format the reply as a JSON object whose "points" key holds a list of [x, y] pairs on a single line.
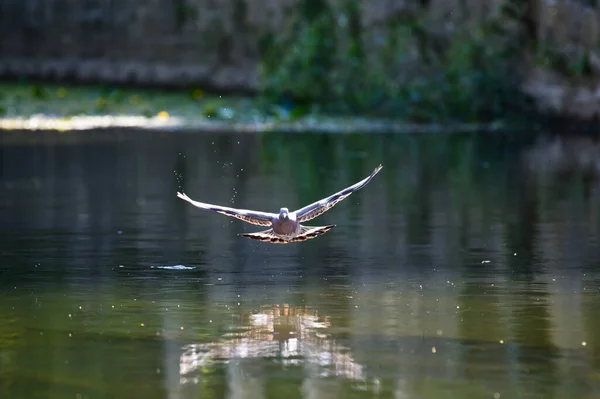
{"points": [[317, 208], [254, 217]]}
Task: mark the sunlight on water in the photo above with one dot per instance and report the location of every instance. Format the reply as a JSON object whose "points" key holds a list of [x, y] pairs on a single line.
{"points": [[289, 335]]}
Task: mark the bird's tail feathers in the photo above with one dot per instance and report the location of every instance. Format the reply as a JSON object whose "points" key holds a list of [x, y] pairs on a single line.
{"points": [[306, 233]]}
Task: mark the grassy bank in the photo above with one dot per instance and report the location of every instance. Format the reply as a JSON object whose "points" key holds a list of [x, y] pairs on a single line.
{"points": [[30, 106]]}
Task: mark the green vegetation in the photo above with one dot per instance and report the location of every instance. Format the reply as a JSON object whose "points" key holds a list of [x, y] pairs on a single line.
{"points": [[416, 74], [28, 99]]}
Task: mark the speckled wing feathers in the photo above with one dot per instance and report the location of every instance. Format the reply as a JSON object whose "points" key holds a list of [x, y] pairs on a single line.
{"points": [[253, 217], [318, 208]]}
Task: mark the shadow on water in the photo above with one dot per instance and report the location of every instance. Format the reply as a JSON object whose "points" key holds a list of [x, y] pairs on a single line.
{"points": [[467, 268]]}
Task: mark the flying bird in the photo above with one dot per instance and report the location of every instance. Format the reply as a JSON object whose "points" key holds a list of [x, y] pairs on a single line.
{"points": [[286, 226]]}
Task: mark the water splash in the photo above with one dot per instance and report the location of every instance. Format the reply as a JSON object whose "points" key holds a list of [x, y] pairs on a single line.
{"points": [[174, 267]]}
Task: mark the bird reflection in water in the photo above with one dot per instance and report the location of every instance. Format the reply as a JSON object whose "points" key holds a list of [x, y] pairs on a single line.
{"points": [[292, 335]]}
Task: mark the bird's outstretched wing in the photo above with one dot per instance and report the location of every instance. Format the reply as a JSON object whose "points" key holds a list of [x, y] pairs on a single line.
{"points": [[317, 208], [254, 217]]}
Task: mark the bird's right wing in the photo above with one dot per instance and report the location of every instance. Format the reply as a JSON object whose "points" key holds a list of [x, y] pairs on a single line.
{"points": [[317, 208], [254, 217]]}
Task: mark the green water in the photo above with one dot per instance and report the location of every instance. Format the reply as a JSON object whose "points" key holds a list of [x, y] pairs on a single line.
{"points": [[468, 268]]}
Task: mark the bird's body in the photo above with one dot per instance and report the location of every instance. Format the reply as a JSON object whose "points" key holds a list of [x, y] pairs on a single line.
{"points": [[286, 226]]}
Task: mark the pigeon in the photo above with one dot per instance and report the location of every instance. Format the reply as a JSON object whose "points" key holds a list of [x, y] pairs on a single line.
{"points": [[286, 227]]}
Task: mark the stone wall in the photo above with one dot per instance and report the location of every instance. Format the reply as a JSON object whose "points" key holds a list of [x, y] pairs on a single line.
{"points": [[180, 42], [215, 43]]}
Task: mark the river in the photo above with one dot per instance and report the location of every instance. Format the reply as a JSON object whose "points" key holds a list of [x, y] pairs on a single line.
{"points": [[467, 268]]}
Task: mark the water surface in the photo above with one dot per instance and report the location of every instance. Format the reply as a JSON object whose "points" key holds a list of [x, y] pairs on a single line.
{"points": [[468, 268]]}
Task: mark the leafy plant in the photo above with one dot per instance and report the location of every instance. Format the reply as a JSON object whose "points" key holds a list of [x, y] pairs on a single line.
{"points": [[469, 76]]}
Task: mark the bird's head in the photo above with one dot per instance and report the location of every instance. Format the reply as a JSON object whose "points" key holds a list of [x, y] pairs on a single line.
{"points": [[283, 214]]}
